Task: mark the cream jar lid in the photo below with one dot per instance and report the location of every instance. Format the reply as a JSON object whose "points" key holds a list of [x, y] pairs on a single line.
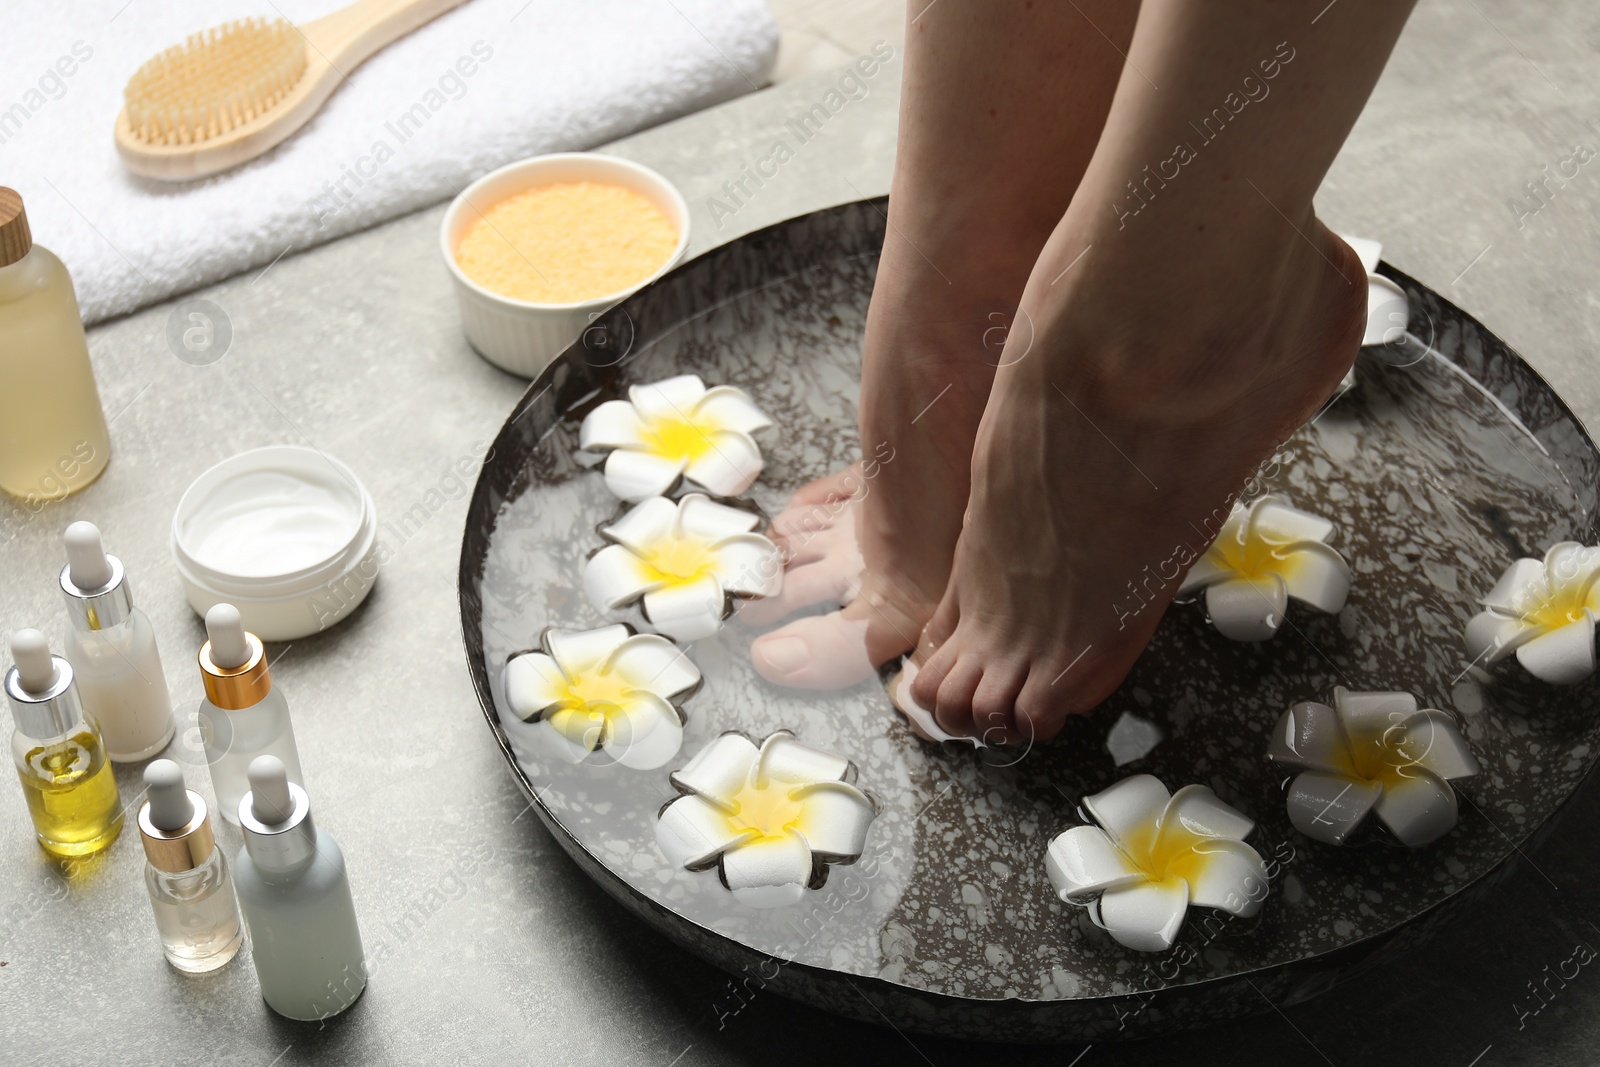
{"points": [[280, 523]]}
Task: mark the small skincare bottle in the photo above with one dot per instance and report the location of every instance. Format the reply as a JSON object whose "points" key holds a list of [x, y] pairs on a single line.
{"points": [[296, 900], [60, 758], [112, 649], [242, 716], [53, 438], [197, 914]]}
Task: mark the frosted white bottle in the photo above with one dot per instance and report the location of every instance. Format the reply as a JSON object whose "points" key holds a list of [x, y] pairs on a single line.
{"points": [[242, 715], [295, 896], [112, 649]]}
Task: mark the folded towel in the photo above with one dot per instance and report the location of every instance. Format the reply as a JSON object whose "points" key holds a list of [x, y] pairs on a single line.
{"points": [[485, 84]]}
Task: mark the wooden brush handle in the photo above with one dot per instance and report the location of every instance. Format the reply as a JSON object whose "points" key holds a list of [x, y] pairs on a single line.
{"points": [[353, 33]]}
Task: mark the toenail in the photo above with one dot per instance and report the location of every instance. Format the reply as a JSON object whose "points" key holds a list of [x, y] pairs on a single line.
{"points": [[785, 654]]}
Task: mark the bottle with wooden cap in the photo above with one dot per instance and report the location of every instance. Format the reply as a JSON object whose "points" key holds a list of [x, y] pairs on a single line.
{"points": [[72, 794], [197, 912], [112, 648], [53, 438], [295, 894], [242, 715]]}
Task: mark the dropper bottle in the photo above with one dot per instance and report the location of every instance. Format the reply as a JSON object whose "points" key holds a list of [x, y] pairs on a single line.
{"points": [[112, 649], [295, 895], [242, 715], [60, 758], [197, 913]]}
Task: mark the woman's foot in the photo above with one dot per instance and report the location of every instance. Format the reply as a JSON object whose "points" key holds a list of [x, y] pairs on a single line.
{"points": [[1158, 379], [878, 537]]}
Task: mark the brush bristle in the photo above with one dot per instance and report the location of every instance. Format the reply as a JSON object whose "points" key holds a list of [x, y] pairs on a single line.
{"points": [[215, 81]]}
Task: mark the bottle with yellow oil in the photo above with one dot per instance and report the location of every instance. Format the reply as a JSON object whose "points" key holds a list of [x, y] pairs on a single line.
{"points": [[60, 757], [53, 437]]}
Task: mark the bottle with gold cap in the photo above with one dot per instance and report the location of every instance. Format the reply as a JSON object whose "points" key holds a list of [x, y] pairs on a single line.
{"points": [[242, 715], [197, 912], [53, 438], [72, 794]]}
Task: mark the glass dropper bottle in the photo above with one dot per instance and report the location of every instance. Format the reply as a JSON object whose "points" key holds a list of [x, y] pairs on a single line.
{"points": [[60, 757]]}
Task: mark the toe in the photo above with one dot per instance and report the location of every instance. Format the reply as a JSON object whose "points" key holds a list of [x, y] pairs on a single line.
{"points": [[994, 703], [800, 530], [953, 707], [818, 652], [945, 617], [840, 485], [814, 583]]}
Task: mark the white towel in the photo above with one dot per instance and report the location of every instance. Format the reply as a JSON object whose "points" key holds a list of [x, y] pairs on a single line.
{"points": [[490, 82]]}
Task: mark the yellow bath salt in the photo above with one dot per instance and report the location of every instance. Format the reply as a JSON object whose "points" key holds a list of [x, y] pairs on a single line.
{"points": [[567, 242]]}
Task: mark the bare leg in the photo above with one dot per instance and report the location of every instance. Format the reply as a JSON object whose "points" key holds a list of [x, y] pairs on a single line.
{"points": [[1003, 104], [1211, 315]]}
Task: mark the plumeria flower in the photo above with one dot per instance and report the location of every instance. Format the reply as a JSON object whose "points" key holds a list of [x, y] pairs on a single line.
{"points": [[609, 689], [770, 819], [1544, 611], [1152, 857], [1371, 752], [1266, 553], [684, 561], [675, 430]]}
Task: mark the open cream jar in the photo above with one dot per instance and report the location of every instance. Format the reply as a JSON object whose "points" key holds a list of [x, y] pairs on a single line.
{"points": [[288, 535]]}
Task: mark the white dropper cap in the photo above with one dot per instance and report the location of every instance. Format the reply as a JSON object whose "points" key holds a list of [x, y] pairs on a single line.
{"points": [[36, 668], [225, 628], [170, 806], [87, 565], [270, 801]]}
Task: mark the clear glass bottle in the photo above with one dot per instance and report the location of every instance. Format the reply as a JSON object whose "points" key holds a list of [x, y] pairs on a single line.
{"points": [[60, 758], [242, 715], [112, 649], [196, 909], [53, 437]]}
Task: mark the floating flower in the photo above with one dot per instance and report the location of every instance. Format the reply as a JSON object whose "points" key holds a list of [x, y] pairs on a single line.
{"points": [[1152, 857], [609, 689], [770, 819], [1544, 611], [684, 561], [1371, 752], [675, 430], [1266, 553]]}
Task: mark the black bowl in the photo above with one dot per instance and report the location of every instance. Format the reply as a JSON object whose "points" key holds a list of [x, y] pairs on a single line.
{"points": [[1448, 460]]}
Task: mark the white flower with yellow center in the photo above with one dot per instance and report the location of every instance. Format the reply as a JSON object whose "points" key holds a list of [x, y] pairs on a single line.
{"points": [[1371, 752], [770, 819], [676, 429], [1267, 553], [607, 689], [684, 562], [1152, 857], [1544, 611]]}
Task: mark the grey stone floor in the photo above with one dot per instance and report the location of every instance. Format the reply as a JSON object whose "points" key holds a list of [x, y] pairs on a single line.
{"points": [[494, 946]]}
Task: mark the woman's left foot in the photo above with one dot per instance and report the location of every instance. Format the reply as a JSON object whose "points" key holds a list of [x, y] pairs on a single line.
{"points": [[1158, 378]]}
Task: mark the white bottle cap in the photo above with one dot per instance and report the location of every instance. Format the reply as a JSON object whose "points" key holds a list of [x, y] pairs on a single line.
{"points": [[36, 668], [86, 556], [225, 628], [98, 593], [275, 817], [270, 801], [170, 806], [44, 702]]}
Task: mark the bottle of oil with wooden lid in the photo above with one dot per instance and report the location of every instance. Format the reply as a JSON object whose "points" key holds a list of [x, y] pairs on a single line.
{"points": [[53, 437]]}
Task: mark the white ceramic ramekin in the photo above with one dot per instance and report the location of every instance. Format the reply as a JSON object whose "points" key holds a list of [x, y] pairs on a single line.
{"points": [[517, 335], [288, 535]]}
